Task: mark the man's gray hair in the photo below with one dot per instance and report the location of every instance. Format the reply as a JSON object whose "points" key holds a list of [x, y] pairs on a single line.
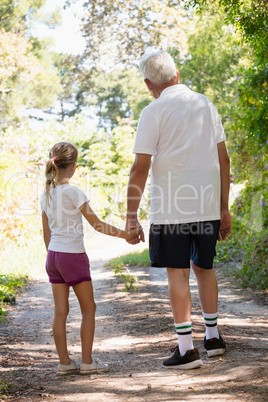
{"points": [[158, 67]]}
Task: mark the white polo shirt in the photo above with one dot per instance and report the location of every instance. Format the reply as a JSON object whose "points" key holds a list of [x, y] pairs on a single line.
{"points": [[181, 129], [65, 218]]}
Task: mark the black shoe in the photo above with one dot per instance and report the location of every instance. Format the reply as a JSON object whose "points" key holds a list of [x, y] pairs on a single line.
{"points": [[215, 346], [188, 361]]}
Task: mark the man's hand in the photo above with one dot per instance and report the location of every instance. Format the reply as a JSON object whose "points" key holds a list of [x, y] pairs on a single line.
{"points": [[134, 224], [225, 225]]}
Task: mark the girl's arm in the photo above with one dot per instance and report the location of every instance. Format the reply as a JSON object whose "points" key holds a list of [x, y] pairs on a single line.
{"points": [[104, 227], [46, 230]]}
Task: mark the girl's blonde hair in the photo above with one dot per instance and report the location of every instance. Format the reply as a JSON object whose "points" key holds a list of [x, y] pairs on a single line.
{"points": [[61, 155]]}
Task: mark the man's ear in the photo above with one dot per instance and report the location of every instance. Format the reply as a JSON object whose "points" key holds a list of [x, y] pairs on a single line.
{"points": [[148, 83], [178, 75]]}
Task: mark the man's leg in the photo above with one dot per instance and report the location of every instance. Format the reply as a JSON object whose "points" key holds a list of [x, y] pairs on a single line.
{"points": [[180, 301], [185, 356], [208, 295], [179, 293], [207, 288]]}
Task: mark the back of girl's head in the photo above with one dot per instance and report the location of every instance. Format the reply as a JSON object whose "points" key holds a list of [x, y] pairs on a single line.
{"points": [[61, 155]]}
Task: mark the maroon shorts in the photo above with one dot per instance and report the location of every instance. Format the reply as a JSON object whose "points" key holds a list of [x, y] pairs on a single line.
{"points": [[69, 268]]}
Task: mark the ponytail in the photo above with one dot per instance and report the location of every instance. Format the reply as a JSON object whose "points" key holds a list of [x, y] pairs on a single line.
{"points": [[51, 177], [61, 156]]}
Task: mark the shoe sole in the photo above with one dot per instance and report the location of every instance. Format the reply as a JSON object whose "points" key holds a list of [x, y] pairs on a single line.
{"points": [[215, 352], [186, 366], [83, 372], [69, 372]]}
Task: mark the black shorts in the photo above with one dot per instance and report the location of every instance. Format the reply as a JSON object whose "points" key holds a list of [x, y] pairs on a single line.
{"points": [[174, 245]]}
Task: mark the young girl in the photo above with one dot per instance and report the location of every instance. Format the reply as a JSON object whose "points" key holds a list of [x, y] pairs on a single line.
{"points": [[67, 263]]}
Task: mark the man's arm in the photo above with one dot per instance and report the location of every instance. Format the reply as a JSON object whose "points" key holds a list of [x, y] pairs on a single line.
{"points": [[137, 180], [225, 226]]}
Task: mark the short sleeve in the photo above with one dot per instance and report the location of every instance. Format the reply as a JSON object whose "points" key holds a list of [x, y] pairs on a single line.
{"points": [[43, 202], [147, 134], [77, 196], [218, 128]]}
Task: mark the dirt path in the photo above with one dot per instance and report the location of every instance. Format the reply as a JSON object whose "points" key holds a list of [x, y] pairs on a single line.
{"points": [[134, 333]]}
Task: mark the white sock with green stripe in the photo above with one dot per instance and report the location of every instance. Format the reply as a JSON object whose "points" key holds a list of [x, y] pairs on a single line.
{"points": [[184, 332], [211, 325]]}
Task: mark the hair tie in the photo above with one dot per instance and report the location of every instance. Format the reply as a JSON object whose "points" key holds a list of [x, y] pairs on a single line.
{"points": [[54, 158]]}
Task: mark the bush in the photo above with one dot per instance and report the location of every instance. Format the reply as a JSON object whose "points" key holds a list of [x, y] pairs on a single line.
{"points": [[9, 284], [244, 255]]}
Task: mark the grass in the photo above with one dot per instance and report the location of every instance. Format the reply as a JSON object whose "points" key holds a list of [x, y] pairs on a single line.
{"points": [[140, 259], [5, 386], [19, 263], [121, 264]]}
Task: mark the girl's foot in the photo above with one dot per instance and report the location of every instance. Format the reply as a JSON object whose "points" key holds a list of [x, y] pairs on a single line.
{"points": [[97, 366], [66, 369]]}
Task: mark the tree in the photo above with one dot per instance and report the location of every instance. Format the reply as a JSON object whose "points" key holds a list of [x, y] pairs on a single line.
{"points": [[76, 83], [15, 15], [248, 144], [117, 95], [118, 30], [110, 96], [27, 78], [213, 62]]}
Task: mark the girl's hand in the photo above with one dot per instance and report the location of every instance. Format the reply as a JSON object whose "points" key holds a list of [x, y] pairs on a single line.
{"points": [[134, 235]]}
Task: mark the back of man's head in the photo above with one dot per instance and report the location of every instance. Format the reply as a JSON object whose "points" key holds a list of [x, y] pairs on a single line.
{"points": [[158, 67]]}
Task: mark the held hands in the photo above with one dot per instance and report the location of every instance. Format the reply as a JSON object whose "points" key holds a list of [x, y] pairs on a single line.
{"points": [[135, 232], [225, 225]]}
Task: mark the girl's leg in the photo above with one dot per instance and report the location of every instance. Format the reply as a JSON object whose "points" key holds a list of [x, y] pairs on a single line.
{"points": [[84, 293], [61, 302]]}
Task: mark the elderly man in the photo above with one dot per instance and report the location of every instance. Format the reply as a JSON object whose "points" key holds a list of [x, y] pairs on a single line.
{"points": [[190, 174]]}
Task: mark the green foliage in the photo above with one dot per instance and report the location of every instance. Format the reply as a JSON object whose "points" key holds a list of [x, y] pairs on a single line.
{"points": [[76, 83], [6, 385], [118, 31], [126, 277], [248, 143], [121, 264], [133, 259], [212, 63], [9, 284], [27, 76], [16, 15], [244, 256], [110, 158], [116, 95], [250, 234], [245, 253]]}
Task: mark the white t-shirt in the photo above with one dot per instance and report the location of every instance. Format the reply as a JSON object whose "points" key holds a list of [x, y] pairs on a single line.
{"points": [[65, 218], [181, 129]]}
